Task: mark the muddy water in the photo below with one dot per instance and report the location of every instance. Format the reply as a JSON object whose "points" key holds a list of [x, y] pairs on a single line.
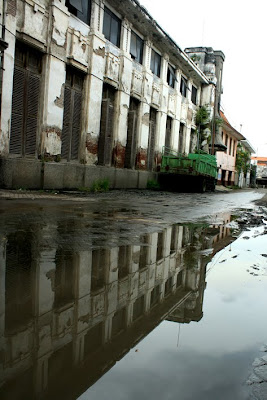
{"points": [[93, 308]]}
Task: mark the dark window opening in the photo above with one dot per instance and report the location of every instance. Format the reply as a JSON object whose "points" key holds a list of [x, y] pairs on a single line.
{"points": [[136, 48], [143, 252], [155, 296], [168, 132], [168, 286], [64, 278], [181, 139], [59, 361], [123, 261], [118, 321], [81, 9], [99, 261], [174, 238], [25, 101], [18, 281], [155, 63], [179, 281], [132, 125], [105, 143], [93, 339], [160, 246], [151, 138], [171, 76], [138, 307], [72, 114], [230, 147], [183, 87], [194, 95], [112, 27]]}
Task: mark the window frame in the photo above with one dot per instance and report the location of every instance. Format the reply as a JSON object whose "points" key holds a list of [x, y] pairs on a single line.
{"points": [[111, 18], [183, 86], [139, 51], [154, 66], [171, 78], [78, 9], [194, 95]]}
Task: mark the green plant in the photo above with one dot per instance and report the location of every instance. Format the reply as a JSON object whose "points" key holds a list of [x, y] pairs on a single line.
{"points": [[195, 57], [153, 185], [101, 185], [84, 189], [202, 117], [242, 160]]}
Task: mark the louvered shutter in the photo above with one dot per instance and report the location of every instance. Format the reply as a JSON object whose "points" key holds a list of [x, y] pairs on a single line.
{"points": [[25, 101], [109, 132], [76, 125], [67, 124], [103, 128], [106, 132], [17, 112], [32, 113], [131, 142], [152, 136]]}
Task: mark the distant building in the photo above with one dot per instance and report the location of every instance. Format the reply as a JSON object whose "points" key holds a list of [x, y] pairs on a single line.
{"points": [[226, 159], [95, 89], [261, 169]]}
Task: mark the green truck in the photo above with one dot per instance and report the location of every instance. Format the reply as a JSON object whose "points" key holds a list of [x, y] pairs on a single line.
{"points": [[196, 172]]}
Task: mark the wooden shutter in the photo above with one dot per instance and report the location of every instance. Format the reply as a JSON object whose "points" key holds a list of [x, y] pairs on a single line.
{"points": [[106, 129], [25, 101], [16, 135], [151, 139], [130, 153], [76, 125], [67, 124], [70, 139], [129, 156], [33, 91]]}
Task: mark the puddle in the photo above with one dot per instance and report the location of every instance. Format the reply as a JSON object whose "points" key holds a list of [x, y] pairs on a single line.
{"points": [[91, 309]]}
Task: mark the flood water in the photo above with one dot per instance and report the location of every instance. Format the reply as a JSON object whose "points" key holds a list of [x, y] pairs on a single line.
{"points": [[113, 302]]}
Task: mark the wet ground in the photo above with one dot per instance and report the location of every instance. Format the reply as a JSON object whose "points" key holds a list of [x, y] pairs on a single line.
{"points": [[133, 294]]}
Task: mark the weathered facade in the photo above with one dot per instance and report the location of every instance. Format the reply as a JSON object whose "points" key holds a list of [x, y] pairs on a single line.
{"points": [[94, 90]]}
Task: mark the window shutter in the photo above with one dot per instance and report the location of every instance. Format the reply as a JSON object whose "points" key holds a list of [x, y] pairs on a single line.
{"points": [[109, 132], [66, 131], [32, 113], [151, 141], [16, 134], [106, 129], [76, 125]]}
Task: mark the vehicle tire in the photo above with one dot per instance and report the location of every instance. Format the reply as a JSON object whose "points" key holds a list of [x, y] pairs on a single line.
{"points": [[203, 185]]}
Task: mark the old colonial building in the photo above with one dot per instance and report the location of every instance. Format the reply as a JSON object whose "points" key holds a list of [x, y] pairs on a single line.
{"points": [[95, 89]]}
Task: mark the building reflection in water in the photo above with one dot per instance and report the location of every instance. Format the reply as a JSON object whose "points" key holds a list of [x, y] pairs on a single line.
{"points": [[68, 313]]}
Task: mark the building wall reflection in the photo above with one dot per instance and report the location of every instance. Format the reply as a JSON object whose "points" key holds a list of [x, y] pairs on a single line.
{"points": [[73, 308]]}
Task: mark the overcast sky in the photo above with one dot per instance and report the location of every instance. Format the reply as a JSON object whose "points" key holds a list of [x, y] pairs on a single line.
{"points": [[238, 29]]}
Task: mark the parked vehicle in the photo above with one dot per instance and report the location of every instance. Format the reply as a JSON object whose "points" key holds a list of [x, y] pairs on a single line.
{"points": [[196, 172]]}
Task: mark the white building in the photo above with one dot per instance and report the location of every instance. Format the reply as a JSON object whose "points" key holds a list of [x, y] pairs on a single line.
{"points": [[94, 90]]}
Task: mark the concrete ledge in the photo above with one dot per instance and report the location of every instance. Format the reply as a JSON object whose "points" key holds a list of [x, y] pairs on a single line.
{"points": [[53, 175], [20, 173], [33, 174]]}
